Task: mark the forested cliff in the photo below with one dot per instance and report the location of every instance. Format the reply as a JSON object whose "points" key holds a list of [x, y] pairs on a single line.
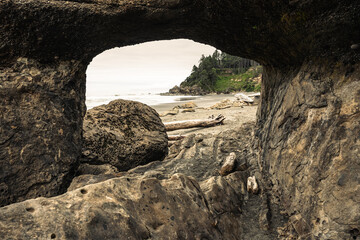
{"points": [[221, 73]]}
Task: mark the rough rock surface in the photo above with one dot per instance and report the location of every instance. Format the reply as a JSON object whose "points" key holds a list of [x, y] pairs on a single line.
{"points": [[201, 156], [308, 119], [310, 146], [193, 90], [124, 134], [40, 142], [159, 203], [129, 208], [92, 169]]}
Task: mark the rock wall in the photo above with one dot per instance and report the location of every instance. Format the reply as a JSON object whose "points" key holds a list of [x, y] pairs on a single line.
{"points": [[42, 107], [310, 149]]}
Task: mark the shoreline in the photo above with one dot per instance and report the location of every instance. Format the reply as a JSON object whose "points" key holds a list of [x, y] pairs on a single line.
{"points": [[201, 101], [159, 102], [234, 116]]}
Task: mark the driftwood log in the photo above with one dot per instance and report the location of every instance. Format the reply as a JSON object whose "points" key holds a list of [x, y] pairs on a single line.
{"points": [[171, 126], [175, 137]]}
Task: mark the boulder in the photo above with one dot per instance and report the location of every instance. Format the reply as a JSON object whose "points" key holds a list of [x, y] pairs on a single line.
{"points": [[255, 97], [123, 134], [188, 110], [226, 103], [189, 105], [174, 111]]}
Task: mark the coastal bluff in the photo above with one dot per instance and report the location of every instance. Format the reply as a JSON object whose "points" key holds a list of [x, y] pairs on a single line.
{"points": [[305, 139]]}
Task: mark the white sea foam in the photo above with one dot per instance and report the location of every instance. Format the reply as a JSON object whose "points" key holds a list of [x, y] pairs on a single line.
{"points": [[150, 99]]}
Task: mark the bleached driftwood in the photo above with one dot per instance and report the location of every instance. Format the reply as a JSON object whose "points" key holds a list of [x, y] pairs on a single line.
{"points": [[244, 98], [175, 137], [254, 95], [171, 126]]}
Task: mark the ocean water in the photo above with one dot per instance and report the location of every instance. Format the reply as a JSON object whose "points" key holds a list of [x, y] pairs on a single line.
{"points": [[150, 99], [141, 72]]}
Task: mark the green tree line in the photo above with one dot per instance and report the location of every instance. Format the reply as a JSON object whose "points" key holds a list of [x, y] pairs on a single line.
{"points": [[211, 68]]}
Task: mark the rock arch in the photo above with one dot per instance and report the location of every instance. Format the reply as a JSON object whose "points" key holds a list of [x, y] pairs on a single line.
{"points": [[307, 122]]}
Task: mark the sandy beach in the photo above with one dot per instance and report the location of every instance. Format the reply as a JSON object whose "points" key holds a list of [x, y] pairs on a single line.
{"points": [[234, 116]]}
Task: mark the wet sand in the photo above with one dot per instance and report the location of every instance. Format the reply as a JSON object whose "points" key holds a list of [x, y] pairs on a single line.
{"points": [[235, 116], [201, 101]]}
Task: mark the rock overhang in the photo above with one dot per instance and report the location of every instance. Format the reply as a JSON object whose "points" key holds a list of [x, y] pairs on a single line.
{"points": [[272, 33]]}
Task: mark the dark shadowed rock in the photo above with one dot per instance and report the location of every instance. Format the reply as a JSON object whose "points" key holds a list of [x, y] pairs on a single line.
{"points": [[86, 168], [41, 108], [188, 90], [124, 134]]}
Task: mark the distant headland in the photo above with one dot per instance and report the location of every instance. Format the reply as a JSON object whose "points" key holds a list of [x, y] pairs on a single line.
{"points": [[221, 73]]}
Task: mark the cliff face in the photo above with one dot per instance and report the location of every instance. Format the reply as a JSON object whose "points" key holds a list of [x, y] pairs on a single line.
{"points": [[308, 137], [308, 121]]}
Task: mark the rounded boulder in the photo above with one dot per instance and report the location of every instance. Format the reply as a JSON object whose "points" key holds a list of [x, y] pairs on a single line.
{"points": [[124, 134]]}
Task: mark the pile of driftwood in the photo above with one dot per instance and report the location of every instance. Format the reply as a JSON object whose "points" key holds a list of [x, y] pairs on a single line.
{"points": [[211, 121]]}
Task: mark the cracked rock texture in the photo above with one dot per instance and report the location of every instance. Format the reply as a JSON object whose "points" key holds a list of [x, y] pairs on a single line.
{"points": [[310, 151], [40, 142], [124, 134], [307, 131], [127, 208], [156, 201]]}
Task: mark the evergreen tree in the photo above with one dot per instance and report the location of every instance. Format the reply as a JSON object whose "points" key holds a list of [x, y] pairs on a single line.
{"points": [[206, 74]]}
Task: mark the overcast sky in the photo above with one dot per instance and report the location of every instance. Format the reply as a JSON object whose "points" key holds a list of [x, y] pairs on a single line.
{"points": [[142, 67]]}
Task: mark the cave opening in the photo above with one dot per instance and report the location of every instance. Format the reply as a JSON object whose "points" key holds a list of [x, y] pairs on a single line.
{"points": [[144, 71], [141, 72]]}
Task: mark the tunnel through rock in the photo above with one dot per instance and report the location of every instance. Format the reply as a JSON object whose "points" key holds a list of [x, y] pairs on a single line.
{"points": [[141, 72], [308, 119]]}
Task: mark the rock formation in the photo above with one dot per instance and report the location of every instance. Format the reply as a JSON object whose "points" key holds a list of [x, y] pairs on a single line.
{"points": [[40, 141], [193, 90], [182, 197], [124, 134], [308, 118], [309, 149]]}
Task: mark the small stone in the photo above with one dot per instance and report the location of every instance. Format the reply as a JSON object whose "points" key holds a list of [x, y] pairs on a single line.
{"points": [[228, 165], [171, 112], [252, 185], [354, 46], [188, 110], [341, 180]]}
